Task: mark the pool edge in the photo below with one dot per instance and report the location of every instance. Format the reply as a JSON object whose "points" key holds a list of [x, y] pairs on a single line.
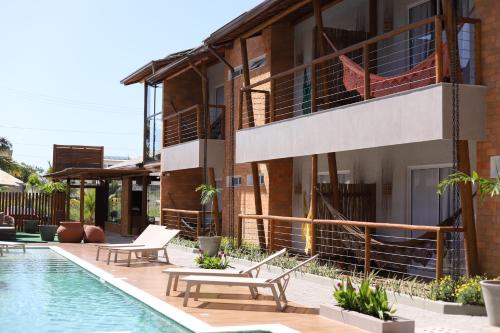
{"points": [[190, 322]]}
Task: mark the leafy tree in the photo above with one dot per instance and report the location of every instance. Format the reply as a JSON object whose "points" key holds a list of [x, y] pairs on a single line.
{"points": [[34, 182], [5, 144]]}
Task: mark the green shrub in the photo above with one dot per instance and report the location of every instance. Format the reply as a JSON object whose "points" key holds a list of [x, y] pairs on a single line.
{"points": [[444, 289], [469, 291], [207, 262], [365, 299]]}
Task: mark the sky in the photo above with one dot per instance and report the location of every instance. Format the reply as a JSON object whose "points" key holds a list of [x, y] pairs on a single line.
{"points": [[61, 62]]}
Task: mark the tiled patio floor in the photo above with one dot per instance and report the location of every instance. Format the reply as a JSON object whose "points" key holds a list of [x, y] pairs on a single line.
{"points": [[217, 306]]}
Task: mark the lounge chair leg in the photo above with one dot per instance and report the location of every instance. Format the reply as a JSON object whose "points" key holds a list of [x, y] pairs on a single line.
{"points": [[116, 256], [186, 294], [169, 284], [97, 255], [24, 248], [129, 258], [197, 294], [276, 298], [282, 292], [109, 257], [1, 251], [253, 292], [176, 282]]}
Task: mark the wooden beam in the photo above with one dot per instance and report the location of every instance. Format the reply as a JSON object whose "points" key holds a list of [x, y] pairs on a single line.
{"points": [[439, 255], [334, 180], [368, 252], [144, 203], [68, 198], [198, 71], [439, 49], [274, 19], [258, 205], [314, 201], [246, 81], [82, 199], [466, 200], [145, 127], [219, 57], [215, 202]]}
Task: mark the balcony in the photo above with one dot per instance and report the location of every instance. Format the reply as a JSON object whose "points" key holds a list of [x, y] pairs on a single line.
{"points": [[184, 139], [388, 90]]}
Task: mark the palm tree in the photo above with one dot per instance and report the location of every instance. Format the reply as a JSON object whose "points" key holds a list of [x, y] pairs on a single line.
{"points": [[5, 144], [487, 187]]}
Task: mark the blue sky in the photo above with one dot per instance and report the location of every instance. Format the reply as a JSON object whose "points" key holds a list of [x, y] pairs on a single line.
{"points": [[61, 63]]}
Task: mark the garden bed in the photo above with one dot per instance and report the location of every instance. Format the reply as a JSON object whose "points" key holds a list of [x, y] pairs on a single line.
{"points": [[365, 322], [449, 308]]}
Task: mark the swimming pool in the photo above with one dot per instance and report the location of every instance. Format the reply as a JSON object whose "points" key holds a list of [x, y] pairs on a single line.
{"points": [[41, 291]]}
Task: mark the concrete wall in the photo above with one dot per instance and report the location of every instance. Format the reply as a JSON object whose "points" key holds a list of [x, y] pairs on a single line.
{"points": [[414, 116], [190, 155]]}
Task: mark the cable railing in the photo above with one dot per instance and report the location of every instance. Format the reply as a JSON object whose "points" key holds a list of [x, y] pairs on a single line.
{"points": [[189, 124], [390, 249], [190, 222], [410, 57]]}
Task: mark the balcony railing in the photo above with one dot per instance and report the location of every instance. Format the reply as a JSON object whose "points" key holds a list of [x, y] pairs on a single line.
{"points": [[188, 125], [389, 249], [406, 58], [189, 222]]}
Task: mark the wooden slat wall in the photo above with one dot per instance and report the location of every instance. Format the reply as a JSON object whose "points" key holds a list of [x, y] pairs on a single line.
{"points": [[49, 208], [77, 157]]}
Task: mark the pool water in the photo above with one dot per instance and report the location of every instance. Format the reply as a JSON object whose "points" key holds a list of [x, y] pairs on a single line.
{"points": [[41, 291]]}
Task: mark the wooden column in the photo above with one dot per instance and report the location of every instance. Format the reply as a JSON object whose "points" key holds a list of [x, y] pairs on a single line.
{"points": [[466, 201], [82, 199], [126, 206], [314, 201], [144, 203], [334, 180], [254, 165], [439, 49], [215, 202]]}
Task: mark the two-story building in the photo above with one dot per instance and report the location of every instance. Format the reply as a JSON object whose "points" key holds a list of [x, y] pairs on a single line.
{"points": [[318, 117]]}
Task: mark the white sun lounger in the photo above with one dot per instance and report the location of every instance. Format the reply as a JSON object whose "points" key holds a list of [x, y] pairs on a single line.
{"points": [[175, 273], [158, 242], [141, 240], [11, 245], [277, 285]]}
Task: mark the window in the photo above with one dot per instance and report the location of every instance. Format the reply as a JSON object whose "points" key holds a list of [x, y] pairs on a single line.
{"points": [[252, 64], [154, 122], [234, 181], [421, 39], [344, 177], [426, 206], [250, 180]]}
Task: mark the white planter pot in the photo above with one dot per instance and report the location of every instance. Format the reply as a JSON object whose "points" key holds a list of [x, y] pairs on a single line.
{"points": [[365, 322], [210, 245], [491, 294]]}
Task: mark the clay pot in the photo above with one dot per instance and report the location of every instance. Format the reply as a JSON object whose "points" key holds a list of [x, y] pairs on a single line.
{"points": [[93, 234], [70, 232]]}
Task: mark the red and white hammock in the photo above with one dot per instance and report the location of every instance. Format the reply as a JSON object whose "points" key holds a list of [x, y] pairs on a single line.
{"points": [[423, 74]]}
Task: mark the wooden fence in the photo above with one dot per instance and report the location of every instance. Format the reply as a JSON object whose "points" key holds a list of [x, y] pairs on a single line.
{"points": [[48, 208]]}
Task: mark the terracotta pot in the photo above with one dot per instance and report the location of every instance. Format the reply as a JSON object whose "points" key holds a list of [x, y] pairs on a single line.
{"points": [[70, 232], [93, 234]]}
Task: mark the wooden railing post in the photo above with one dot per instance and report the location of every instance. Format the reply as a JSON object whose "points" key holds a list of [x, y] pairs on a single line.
{"points": [[239, 232], [366, 67], [477, 52], [439, 48], [178, 221], [368, 252], [272, 102], [240, 110], [439, 254], [314, 88], [199, 125], [199, 221], [179, 129], [271, 235]]}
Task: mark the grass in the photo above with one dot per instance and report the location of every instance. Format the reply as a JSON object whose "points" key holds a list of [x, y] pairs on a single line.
{"points": [[249, 251]]}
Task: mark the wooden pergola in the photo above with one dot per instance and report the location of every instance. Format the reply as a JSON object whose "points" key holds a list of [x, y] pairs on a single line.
{"points": [[101, 174]]}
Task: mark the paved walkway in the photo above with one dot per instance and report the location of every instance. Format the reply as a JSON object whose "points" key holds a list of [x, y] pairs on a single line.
{"points": [[313, 294]]}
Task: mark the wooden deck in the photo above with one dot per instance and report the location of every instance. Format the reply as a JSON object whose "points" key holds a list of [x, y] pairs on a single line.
{"points": [[214, 307]]}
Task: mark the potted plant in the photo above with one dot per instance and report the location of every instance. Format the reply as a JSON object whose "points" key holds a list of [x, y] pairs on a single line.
{"points": [[487, 188], [210, 244], [365, 307]]}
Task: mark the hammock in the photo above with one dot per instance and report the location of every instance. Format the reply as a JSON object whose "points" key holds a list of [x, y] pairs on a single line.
{"points": [[421, 75]]}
